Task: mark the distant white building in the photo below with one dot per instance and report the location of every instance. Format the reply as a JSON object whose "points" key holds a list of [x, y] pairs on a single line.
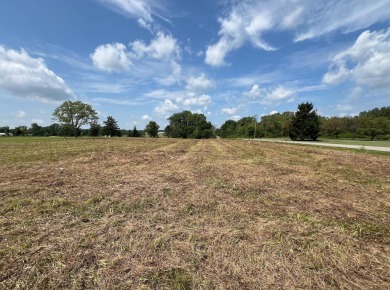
{"points": [[3, 134]]}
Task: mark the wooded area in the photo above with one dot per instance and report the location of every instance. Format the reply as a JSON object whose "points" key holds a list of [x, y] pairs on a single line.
{"points": [[372, 124]]}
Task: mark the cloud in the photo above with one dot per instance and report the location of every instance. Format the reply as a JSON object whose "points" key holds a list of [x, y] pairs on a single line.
{"points": [[249, 21], [163, 47], [147, 61], [178, 100], [355, 93], [280, 93], [146, 118], [115, 101], [142, 10], [267, 96], [28, 77], [236, 118], [366, 63], [195, 101], [273, 113], [166, 108], [230, 111], [174, 78], [111, 57], [254, 92], [233, 36], [158, 94], [346, 16], [20, 114], [199, 84]]}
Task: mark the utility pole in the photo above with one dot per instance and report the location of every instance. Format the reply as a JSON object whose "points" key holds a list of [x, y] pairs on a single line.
{"points": [[254, 134]]}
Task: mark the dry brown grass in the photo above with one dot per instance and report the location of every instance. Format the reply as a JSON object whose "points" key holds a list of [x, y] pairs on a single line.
{"points": [[186, 214]]}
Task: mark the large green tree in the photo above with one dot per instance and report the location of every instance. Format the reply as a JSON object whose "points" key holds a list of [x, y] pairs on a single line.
{"points": [[20, 131], [228, 129], [75, 114], [276, 125], [152, 129], [374, 126], [305, 124], [334, 126], [110, 127], [246, 127], [189, 125], [36, 130]]}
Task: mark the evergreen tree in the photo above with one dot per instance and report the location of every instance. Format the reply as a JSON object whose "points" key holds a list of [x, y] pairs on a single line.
{"points": [[305, 123], [110, 127], [134, 132]]}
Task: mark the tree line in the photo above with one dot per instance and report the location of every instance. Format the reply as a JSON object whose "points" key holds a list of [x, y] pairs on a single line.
{"points": [[372, 124], [304, 124]]}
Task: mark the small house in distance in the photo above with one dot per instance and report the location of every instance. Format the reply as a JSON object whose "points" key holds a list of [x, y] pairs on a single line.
{"points": [[161, 133]]}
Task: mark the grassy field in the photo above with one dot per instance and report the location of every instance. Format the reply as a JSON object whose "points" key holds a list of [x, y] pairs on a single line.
{"points": [[384, 143], [125, 213]]}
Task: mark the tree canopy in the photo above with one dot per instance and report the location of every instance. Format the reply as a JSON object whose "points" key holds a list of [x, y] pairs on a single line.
{"points": [[110, 127], [305, 124], [75, 114], [189, 125], [134, 132], [152, 129]]}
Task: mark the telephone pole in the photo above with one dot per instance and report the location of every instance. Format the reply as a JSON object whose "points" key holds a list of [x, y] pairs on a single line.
{"points": [[254, 134]]}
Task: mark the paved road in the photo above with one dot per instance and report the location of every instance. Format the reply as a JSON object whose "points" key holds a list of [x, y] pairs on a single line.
{"points": [[374, 148]]}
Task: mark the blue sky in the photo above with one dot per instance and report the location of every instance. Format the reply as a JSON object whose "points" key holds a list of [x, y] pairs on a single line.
{"points": [[145, 60]]}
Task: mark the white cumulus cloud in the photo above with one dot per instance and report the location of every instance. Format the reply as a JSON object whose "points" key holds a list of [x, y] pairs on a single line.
{"points": [[280, 93], [28, 77], [146, 118], [199, 84], [367, 62], [163, 47], [111, 57], [166, 108], [273, 96]]}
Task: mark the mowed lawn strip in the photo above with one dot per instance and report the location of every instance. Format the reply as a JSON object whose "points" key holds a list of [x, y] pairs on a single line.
{"points": [[128, 213]]}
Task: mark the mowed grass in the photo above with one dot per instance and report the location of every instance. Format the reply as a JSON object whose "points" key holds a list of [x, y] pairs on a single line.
{"points": [[125, 213], [359, 142], [377, 143]]}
